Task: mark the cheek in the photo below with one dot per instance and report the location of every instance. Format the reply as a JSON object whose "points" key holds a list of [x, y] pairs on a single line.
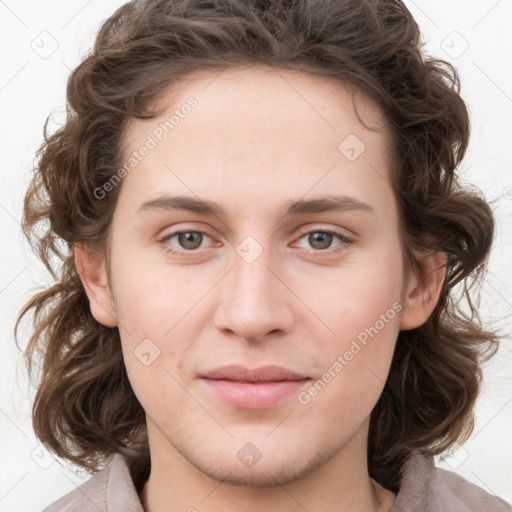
{"points": [[360, 311], [151, 297], [154, 386], [158, 314], [354, 297], [354, 374]]}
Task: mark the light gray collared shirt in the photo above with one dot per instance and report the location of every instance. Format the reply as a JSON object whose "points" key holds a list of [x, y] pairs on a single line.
{"points": [[423, 488]]}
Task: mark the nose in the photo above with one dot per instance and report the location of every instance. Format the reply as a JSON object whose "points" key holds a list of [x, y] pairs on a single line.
{"points": [[256, 299]]}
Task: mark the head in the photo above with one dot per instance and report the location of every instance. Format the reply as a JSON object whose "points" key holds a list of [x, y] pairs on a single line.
{"points": [[263, 116]]}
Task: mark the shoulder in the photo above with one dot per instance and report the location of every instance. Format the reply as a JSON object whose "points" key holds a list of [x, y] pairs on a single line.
{"points": [[108, 490], [466, 495], [89, 496], [426, 488]]}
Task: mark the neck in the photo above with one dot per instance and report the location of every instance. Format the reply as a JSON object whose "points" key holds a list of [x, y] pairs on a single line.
{"points": [[342, 484]]}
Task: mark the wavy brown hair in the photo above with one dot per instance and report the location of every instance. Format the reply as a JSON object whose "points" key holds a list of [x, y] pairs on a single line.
{"points": [[84, 408]]}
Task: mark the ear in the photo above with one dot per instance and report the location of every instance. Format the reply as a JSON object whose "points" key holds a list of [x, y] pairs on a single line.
{"points": [[423, 291], [92, 270]]}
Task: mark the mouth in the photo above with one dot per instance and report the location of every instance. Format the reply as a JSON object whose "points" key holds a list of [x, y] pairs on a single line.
{"points": [[259, 388]]}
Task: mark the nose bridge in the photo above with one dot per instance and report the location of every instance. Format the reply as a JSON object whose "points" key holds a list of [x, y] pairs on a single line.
{"points": [[251, 276], [255, 302]]}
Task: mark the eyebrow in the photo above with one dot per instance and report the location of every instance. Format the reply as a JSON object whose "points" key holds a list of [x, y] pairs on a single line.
{"points": [[291, 208]]}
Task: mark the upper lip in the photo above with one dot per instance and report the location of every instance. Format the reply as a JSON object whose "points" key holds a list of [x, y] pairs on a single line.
{"points": [[262, 374]]}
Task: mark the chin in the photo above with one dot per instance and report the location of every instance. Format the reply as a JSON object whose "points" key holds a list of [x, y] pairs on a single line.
{"points": [[262, 477], [268, 471]]}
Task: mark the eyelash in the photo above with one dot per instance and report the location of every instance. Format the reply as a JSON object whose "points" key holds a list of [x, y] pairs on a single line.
{"points": [[338, 248]]}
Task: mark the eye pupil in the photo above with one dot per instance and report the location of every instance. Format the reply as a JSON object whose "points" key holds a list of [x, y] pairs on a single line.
{"points": [[325, 239]]}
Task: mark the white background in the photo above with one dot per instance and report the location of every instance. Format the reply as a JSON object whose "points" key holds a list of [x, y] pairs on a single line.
{"points": [[475, 35]]}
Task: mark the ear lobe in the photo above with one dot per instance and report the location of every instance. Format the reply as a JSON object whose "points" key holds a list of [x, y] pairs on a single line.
{"points": [[92, 270], [423, 291]]}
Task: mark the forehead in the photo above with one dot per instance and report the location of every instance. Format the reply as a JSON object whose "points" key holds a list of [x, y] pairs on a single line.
{"points": [[263, 101], [259, 129]]}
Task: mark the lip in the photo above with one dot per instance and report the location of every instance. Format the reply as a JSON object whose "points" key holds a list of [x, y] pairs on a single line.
{"points": [[257, 388], [263, 373]]}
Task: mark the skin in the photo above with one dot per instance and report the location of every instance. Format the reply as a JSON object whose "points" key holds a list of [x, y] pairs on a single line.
{"points": [[257, 139]]}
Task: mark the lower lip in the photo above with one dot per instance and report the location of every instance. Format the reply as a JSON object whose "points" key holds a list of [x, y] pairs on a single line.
{"points": [[257, 395]]}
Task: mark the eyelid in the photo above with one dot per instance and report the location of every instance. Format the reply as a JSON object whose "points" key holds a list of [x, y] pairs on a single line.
{"points": [[205, 229], [336, 230]]}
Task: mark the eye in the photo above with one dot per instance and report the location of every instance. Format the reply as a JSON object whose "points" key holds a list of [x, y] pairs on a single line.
{"points": [[321, 240], [188, 241]]}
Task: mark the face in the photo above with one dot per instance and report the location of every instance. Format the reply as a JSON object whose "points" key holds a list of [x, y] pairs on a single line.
{"points": [[297, 266]]}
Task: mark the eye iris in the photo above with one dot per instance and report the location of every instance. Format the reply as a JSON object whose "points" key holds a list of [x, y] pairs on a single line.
{"points": [[324, 238], [189, 239]]}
